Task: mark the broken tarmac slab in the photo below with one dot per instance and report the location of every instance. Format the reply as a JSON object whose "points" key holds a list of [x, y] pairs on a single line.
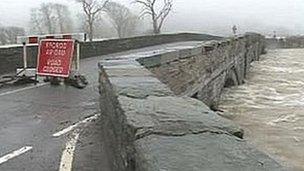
{"points": [[148, 128]]}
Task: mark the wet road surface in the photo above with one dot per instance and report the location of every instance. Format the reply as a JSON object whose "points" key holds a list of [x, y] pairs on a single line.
{"points": [[270, 106], [51, 128]]}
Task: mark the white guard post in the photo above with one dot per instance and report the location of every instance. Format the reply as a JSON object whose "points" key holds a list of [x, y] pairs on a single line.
{"points": [[76, 59], [78, 56], [24, 56]]}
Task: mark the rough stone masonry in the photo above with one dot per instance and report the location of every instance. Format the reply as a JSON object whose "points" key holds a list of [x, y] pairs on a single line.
{"points": [[154, 121]]}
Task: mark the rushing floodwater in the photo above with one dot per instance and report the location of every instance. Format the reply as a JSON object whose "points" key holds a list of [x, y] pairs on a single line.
{"points": [[270, 106]]}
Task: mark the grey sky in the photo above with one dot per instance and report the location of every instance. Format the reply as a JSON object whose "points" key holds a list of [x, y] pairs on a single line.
{"points": [[212, 16]]}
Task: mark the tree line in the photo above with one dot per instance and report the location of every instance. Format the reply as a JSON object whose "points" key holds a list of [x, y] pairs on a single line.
{"points": [[98, 18]]}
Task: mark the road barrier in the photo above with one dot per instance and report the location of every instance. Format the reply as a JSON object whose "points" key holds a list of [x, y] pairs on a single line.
{"points": [[55, 55]]}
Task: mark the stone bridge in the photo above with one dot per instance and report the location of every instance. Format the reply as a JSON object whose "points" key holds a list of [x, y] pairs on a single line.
{"points": [[148, 108]]}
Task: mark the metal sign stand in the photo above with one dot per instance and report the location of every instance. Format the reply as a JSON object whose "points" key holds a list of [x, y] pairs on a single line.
{"points": [[76, 79], [21, 76], [24, 57], [77, 56]]}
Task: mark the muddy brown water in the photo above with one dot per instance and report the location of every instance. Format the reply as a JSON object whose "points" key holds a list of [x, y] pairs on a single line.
{"points": [[270, 106]]}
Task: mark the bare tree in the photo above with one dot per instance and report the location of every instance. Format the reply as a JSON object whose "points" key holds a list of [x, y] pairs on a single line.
{"points": [[35, 22], [158, 17], [63, 18], [122, 19], [102, 27], [50, 18], [92, 8], [3, 39], [12, 32], [8, 35]]}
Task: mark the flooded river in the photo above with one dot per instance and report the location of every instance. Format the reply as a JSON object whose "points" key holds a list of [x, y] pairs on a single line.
{"points": [[270, 106]]}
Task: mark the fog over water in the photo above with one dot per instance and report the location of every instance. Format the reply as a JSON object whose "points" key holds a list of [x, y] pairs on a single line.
{"points": [[211, 16]]}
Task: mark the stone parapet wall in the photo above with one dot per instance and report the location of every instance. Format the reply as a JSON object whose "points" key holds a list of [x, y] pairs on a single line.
{"points": [[97, 48], [153, 126], [203, 72], [288, 42], [11, 56]]}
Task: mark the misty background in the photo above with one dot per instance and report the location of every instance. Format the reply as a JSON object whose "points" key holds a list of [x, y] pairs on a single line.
{"points": [[205, 16]]}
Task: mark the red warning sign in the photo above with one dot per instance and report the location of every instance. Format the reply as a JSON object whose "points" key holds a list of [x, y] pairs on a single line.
{"points": [[55, 57]]}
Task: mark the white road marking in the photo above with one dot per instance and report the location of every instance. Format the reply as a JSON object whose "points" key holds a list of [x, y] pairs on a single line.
{"points": [[68, 153], [15, 154], [23, 89], [72, 127]]}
